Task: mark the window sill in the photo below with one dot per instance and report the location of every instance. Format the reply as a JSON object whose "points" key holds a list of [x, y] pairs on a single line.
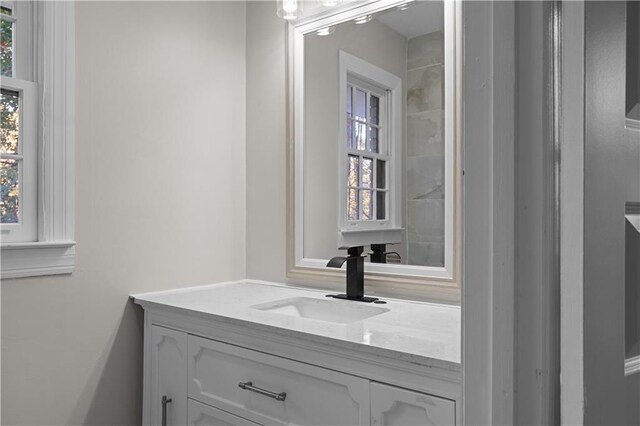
{"points": [[363, 237], [21, 260]]}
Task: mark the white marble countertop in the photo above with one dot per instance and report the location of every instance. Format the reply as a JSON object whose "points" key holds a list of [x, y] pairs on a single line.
{"points": [[418, 332]]}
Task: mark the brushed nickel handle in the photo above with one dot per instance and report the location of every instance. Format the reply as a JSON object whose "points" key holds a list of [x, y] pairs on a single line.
{"points": [[275, 395], [165, 401]]}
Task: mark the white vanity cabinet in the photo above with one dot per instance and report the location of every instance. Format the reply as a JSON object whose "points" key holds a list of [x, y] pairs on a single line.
{"points": [[202, 378], [220, 369]]}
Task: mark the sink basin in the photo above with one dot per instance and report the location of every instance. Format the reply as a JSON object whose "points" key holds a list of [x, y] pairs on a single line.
{"points": [[336, 311]]}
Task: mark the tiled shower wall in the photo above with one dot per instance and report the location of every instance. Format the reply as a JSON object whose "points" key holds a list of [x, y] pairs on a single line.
{"points": [[425, 150]]}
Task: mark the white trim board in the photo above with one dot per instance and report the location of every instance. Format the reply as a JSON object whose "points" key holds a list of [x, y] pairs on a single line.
{"points": [[572, 396], [489, 212], [37, 259]]}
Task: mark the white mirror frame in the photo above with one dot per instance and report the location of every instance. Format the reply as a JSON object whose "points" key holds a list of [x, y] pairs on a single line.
{"points": [[441, 283]]}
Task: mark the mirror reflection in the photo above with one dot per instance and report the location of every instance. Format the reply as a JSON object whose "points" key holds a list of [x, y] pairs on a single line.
{"points": [[374, 155]]}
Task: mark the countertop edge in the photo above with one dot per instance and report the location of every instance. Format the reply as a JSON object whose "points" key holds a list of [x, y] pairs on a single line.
{"points": [[389, 354]]}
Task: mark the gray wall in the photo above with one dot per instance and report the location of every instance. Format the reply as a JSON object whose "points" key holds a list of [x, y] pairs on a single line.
{"points": [[160, 203], [266, 144], [611, 178]]}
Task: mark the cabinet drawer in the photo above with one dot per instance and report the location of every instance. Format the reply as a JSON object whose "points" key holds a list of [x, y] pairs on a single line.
{"points": [[391, 406], [203, 415], [314, 395]]}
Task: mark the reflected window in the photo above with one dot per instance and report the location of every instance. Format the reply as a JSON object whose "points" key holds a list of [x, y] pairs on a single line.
{"points": [[366, 157], [370, 108]]}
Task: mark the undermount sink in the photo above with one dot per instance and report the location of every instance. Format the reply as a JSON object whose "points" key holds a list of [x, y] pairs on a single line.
{"points": [[337, 311]]}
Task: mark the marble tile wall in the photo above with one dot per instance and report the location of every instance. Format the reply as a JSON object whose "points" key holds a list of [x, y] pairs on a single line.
{"points": [[425, 150]]}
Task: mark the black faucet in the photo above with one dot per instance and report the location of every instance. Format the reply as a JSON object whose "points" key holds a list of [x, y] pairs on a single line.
{"points": [[355, 275], [379, 255]]}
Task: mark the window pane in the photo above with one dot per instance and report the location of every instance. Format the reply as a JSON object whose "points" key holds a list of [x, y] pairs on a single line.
{"points": [[380, 205], [9, 191], [374, 110], [350, 138], [6, 48], [373, 139], [360, 135], [352, 204], [367, 204], [352, 172], [361, 105], [381, 174], [6, 10], [349, 92], [10, 121], [367, 172]]}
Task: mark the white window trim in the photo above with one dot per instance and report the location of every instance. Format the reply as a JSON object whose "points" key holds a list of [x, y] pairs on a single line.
{"points": [[54, 252], [390, 230]]}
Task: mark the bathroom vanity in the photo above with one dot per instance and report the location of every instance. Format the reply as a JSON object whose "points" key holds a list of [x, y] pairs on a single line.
{"points": [[251, 352]]}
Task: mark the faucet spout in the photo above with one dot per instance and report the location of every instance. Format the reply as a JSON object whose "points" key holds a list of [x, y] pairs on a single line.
{"points": [[336, 262]]}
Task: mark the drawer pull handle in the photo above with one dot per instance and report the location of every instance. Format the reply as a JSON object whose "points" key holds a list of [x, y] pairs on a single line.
{"points": [[165, 401], [249, 386]]}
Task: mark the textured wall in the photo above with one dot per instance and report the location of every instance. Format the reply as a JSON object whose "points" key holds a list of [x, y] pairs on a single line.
{"points": [[160, 193], [425, 150]]}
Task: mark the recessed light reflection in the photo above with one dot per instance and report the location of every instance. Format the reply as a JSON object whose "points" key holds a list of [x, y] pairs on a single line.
{"points": [[326, 31], [404, 6], [363, 19]]}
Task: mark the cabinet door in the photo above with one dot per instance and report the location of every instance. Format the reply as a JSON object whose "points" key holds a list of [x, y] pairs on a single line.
{"points": [[391, 406], [168, 376], [205, 415]]}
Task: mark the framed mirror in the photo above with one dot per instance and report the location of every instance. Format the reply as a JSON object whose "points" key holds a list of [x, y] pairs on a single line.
{"points": [[374, 152]]}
